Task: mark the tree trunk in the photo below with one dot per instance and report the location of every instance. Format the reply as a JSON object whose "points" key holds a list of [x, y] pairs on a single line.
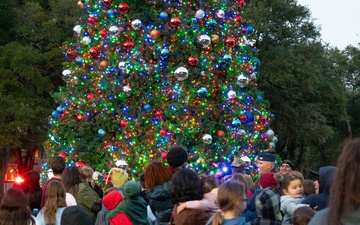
{"points": [[4, 160]]}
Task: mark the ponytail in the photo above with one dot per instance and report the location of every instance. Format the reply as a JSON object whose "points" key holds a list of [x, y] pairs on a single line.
{"points": [[217, 218]]}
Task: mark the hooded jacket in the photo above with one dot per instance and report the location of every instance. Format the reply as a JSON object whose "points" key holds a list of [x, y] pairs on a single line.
{"points": [[321, 218], [326, 175], [110, 201], [160, 203], [133, 206]]}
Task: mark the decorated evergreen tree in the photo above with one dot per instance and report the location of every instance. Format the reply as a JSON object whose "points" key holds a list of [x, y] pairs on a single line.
{"points": [[181, 73]]}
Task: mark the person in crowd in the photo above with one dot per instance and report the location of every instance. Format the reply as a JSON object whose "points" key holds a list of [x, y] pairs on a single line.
{"points": [[85, 196], [303, 215], [268, 207], [176, 158], [209, 200], [101, 216], [237, 166], [344, 204], [86, 175], [321, 200], [241, 177], [142, 186], [157, 184], [32, 189], [133, 206], [118, 174], [57, 165], [293, 190], [110, 201], [187, 186], [265, 164], [309, 187], [231, 199], [286, 167], [54, 205], [75, 215], [71, 179], [14, 210]]}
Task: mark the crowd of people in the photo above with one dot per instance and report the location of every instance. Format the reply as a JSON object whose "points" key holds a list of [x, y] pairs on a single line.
{"points": [[174, 194]]}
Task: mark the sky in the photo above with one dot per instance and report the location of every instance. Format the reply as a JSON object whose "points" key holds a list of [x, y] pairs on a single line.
{"points": [[339, 20]]}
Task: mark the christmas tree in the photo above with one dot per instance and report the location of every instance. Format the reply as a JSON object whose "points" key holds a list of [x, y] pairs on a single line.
{"points": [[185, 73]]}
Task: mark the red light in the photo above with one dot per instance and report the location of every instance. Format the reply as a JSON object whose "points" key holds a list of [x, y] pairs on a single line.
{"points": [[19, 180]]}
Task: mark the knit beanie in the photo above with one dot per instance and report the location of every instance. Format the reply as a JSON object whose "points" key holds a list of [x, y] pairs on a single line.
{"points": [[268, 180], [177, 156]]}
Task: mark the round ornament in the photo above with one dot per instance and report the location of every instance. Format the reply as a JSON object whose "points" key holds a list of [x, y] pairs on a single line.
{"points": [[193, 61], [215, 38], [101, 133], [66, 73], [175, 22], [60, 109], [122, 65], [230, 42], [204, 40], [77, 29], [103, 33], [231, 94], [220, 133], [136, 24], [146, 108], [164, 155], [63, 155], [86, 40], [127, 90], [155, 34], [108, 2], [90, 96], [220, 14], [181, 73], [91, 20], [55, 114], [128, 45], [269, 133], [242, 80], [162, 132], [200, 14], [202, 92], [207, 139], [124, 8], [164, 54], [80, 164], [71, 54], [236, 123], [163, 15], [114, 30], [123, 123], [94, 52], [110, 13]]}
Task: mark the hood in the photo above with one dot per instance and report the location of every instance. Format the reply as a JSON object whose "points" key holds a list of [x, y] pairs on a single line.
{"points": [[112, 199], [268, 204], [326, 175], [131, 190]]}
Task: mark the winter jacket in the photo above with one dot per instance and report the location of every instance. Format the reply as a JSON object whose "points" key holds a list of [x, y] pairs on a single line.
{"points": [[75, 215], [235, 221], [110, 201], [41, 219], [321, 200], [321, 218], [88, 199], [208, 203], [133, 206], [160, 203], [288, 206], [191, 216]]}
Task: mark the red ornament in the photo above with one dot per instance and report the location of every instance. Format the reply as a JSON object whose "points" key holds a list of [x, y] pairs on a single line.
{"points": [[94, 52], [162, 132], [193, 61], [79, 117], [63, 155], [62, 116], [90, 96], [238, 19], [164, 155], [71, 54], [263, 119], [123, 123], [80, 164], [243, 30], [230, 42], [159, 114], [124, 8], [242, 118], [128, 45], [108, 2], [241, 3], [91, 20], [250, 69], [175, 22], [103, 33]]}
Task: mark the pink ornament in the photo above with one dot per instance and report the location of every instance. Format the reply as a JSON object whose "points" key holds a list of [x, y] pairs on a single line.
{"points": [[124, 8], [128, 45], [175, 22]]}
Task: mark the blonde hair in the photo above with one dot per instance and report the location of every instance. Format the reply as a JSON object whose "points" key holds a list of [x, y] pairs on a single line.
{"points": [[54, 198], [230, 196], [86, 173]]}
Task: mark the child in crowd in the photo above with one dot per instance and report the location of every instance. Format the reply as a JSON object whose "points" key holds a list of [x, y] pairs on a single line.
{"points": [[231, 200], [209, 202], [303, 215], [309, 187], [293, 189]]}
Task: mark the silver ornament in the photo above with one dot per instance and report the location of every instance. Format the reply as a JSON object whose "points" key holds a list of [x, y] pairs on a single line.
{"points": [[200, 14], [122, 65], [127, 90], [114, 31], [136, 24], [77, 29], [181, 73], [242, 80], [220, 14], [204, 40], [207, 139], [86, 40], [231, 94], [269, 133], [66, 73]]}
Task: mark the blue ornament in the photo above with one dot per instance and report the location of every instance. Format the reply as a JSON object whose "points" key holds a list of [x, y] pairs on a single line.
{"points": [[146, 108], [163, 15], [55, 114], [164, 54], [227, 58], [60, 109], [236, 123], [260, 98], [79, 61], [249, 29], [110, 13], [249, 117], [202, 92], [88, 116], [211, 24], [101, 133]]}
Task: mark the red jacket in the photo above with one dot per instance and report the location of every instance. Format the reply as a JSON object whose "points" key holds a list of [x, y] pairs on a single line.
{"points": [[110, 201]]}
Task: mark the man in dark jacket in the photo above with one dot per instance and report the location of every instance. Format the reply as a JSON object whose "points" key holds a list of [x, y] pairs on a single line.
{"points": [[320, 201]]}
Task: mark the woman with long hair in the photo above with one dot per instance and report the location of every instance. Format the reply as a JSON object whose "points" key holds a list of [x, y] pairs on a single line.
{"points": [[231, 200], [32, 189], [157, 184], [187, 186], [14, 210], [344, 203], [54, 204]]}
